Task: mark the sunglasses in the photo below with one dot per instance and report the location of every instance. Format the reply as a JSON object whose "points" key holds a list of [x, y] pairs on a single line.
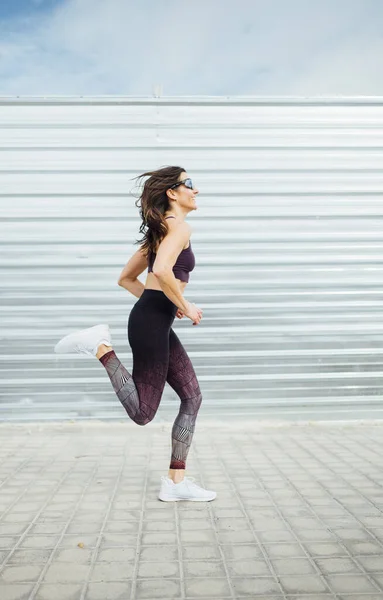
{"points": [[186, 182]]}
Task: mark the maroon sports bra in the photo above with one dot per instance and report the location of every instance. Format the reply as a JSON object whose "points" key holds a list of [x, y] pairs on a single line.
{"points": [[183, 265]]}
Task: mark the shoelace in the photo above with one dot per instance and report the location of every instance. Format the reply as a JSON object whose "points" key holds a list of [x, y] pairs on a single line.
{"points": [[81, 348]]}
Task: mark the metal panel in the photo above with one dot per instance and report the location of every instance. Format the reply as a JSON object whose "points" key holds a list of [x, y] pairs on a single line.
{"points": [[288, 242]]}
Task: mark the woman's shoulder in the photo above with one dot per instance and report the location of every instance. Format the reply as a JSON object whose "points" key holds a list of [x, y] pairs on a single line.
{"points": [[176, 223], [182, 225], [179, 224]]}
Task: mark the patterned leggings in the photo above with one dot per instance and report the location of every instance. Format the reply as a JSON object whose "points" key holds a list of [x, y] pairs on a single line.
{"points": [[158, 356]]}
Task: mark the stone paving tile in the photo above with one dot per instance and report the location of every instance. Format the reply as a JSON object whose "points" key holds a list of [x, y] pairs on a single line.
{"points": [[363, 548], [350, 583], [192, 537], [303, 519], [198, 568], [157, 588], [195, 524], [16, 591], [60, 573], [222, 597], [242, 551], [20, 573], [80, 528], [359, 596], [325, 549], [49, 591], [293, 566], [336, 566], [371, 564], [303, 584], [12, 528], [39, 541], [120, 527], [235, 537], [248, 568], [80, 556], [312, 597], [255, 586], [309, 596], [159, 526], [71, 541], [43, 528], [27, 557], [109, 591], [8, 542], [3, 555], [161, 538], [111, 571], [274, 536], [112, 540], [158, 569], [284, 550], [212, 587], [117, 555]]}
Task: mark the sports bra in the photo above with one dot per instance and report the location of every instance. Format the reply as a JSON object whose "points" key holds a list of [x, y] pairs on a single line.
{"points": [[183, 265]]}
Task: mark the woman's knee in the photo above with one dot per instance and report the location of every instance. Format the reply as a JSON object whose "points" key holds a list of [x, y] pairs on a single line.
{"points": [[143, 419]]}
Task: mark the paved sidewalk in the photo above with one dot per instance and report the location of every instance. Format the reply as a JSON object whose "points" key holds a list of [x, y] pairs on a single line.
{"points": [[299, 513]]}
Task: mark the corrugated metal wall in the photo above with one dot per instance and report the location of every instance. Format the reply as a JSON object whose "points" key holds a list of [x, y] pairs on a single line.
{"points": [[288, 240]]}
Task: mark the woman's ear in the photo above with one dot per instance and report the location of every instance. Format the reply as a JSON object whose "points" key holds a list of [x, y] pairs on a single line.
{"points": [[171, 194]]}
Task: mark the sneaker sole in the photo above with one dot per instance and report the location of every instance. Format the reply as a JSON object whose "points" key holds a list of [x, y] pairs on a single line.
{"points": [[172, 499], [71, 339]]}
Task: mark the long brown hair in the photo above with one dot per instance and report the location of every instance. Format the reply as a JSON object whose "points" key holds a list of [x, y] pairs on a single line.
{"points": [[153, 204]]}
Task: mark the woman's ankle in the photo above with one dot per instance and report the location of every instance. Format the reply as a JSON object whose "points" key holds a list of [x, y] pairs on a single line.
{"points": [[102, 349], [176, 475]]}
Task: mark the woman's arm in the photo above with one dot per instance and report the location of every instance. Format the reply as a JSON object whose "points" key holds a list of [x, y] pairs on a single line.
{"points": [[168, 251], [134, 286], [133, 268]]}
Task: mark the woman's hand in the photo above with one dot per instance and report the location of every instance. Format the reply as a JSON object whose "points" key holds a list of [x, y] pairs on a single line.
{"points": [[179, 313], [194, 313]]}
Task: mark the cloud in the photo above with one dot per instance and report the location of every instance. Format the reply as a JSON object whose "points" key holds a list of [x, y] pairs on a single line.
{"points": [[210, 47]]}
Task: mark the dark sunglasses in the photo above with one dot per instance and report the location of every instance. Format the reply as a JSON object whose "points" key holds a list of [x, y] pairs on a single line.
{"points": [[186, 182]]}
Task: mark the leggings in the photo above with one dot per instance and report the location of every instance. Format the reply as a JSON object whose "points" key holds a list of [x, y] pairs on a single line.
{"points": [[158, 356]]}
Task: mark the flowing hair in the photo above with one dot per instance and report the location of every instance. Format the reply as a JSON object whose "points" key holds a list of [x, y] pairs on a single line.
{"points": [[153, 204]]}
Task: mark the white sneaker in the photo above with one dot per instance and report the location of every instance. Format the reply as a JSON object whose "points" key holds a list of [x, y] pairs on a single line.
{"points": [[185, 490], [85, 341]]}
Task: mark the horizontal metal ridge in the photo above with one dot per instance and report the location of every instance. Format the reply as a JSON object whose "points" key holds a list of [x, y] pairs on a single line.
{"points": [[199, 100]]}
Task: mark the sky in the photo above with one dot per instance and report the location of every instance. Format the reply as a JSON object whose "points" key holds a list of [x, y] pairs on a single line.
{"points": [[191, 48]]}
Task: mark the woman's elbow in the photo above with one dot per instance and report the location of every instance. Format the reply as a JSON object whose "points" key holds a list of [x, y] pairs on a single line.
{"points": [[123, 281], [160, 272]]}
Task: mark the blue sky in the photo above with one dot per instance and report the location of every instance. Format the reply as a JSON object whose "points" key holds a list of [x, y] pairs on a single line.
{"points": [[194, 47]]}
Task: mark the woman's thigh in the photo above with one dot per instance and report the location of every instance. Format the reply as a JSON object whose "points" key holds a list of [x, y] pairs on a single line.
{"points": [[148, 334], [182, 377]]}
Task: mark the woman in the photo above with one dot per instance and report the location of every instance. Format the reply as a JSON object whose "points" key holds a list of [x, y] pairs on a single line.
{"points": [[158, 356]]}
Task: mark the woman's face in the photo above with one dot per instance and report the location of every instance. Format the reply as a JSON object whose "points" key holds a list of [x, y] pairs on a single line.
{"points": [[185, 196]]}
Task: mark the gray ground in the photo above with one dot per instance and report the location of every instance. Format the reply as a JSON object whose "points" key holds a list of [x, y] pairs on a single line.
{"points": [[298, 512]]}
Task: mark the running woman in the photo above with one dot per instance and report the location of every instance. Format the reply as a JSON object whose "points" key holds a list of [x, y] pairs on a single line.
{"points": [[167, 197]]}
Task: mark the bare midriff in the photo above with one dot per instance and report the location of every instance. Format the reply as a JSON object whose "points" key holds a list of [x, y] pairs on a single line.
{"points": [[152, 283]]}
